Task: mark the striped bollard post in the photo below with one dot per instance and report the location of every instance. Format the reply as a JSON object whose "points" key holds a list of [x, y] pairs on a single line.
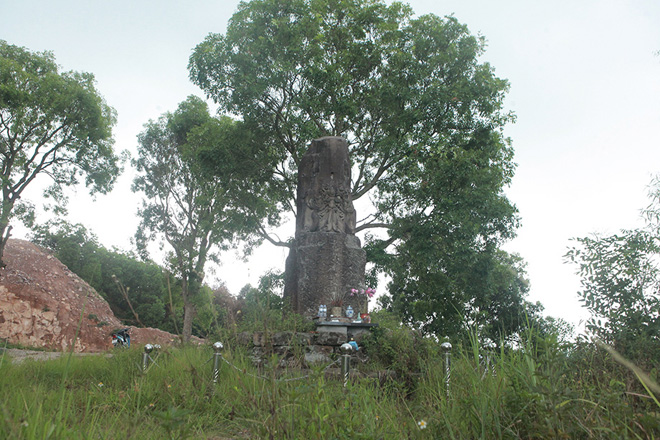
{"points": [[446, 347], [217, 348], [346, 350], [145, 357]]}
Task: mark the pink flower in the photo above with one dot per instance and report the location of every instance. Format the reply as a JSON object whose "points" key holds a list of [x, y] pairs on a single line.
{"points": [[369, 292]]}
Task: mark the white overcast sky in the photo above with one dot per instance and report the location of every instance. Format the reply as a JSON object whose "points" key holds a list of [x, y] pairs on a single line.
{"points": [[585, 85]]}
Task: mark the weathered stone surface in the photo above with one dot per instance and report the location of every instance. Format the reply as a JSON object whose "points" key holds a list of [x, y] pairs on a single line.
{"points": [[258, 356], [282, 350], [330, 338], [291, 338], [283, 338], [324, 188], [317, 354], [361, 337], [261, 339], [295, 350], [43, 304], [326, 260]]}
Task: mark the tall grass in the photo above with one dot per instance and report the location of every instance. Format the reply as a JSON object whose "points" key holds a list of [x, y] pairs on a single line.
{"points": [[538, 390]]}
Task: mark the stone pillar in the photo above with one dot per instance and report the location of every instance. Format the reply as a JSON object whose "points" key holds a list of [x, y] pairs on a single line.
{"points": [[326, 260]]}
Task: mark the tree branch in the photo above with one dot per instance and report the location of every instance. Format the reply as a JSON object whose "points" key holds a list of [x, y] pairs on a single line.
{"points": [[372, 225], [277, 242]]}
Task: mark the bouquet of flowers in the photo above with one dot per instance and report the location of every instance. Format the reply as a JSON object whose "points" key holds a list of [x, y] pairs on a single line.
{"points": [[366, 294]]}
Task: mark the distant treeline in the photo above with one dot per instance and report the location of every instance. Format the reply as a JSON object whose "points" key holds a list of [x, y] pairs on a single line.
{"points": [[153, 292]]}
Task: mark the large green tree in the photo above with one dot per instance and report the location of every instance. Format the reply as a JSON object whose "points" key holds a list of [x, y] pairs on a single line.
{"points": [[51, 123], [423, 118], [186, 208]]}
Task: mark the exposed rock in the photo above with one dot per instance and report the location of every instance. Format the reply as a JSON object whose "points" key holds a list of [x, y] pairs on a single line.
{"points": [[149, 335], [330, 338], [43, 304], [293, 350], [245, 339], [261, 339], [317, 354]]}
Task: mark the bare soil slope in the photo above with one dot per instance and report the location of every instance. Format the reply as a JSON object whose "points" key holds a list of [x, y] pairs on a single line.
{"points": [[43, 304]]}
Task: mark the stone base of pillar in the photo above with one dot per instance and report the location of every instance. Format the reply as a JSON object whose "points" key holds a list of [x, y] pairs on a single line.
{"points": [[323, 266]]}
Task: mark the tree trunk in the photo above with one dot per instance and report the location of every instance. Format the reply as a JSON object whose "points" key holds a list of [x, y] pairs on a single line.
{"points": [[189, 312], [5, 233]]}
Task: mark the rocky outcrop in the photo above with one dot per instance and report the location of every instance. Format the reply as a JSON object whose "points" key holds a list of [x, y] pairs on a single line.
{"points": [[43, 304]]}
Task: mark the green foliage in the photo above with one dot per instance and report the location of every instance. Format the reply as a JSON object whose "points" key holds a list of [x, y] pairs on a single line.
{"points": [[186, 208], [464, 290], [620, 280], [536, 390], [53, 123], [147, 284], [263, 308], [205, 323], [102, 269], [423, 118], [398, 348]]}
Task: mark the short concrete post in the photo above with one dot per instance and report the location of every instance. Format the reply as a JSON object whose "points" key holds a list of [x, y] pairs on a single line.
{"points": [[346, 350], [446, 347], [217, 348], [145, 357]]}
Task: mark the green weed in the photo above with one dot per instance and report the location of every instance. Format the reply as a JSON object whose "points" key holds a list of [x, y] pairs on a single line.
{"points": [[538, 389]]}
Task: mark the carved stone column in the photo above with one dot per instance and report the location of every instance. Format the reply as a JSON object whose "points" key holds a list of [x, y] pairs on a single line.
{"points": [[326, 260]]}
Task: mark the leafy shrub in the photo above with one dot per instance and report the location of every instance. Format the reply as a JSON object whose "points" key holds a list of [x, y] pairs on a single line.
{"points": [[396, 347]]}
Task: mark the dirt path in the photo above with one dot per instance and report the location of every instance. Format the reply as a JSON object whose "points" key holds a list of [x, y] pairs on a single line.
{"points": [[18, 356]]}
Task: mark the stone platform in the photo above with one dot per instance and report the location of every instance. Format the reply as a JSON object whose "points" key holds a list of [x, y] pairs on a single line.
{"points": [[348, 329], [304, 349]]}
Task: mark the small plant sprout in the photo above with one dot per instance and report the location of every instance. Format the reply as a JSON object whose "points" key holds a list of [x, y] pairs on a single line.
{"points": [[337, 299]]}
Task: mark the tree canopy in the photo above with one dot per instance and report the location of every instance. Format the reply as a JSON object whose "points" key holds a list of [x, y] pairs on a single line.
{"points": [[186, 208], [52, 123], [423, 118]]}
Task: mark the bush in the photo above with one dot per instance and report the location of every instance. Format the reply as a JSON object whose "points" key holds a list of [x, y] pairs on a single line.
{"points": [[396, 347]]}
